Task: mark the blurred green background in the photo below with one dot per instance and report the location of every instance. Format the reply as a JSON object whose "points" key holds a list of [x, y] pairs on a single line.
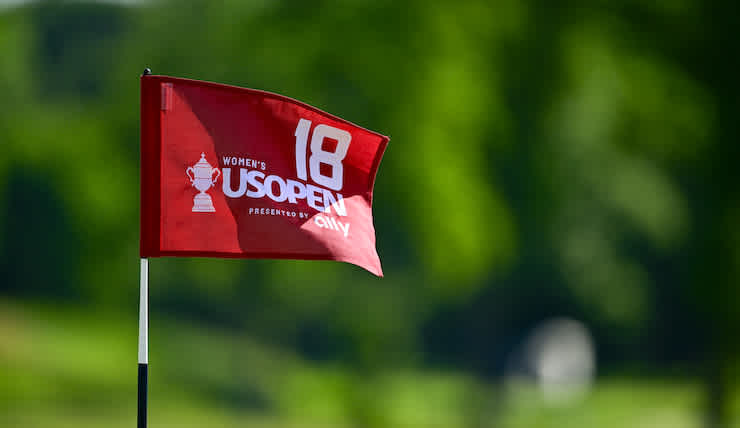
{"points": [[557, 214]]}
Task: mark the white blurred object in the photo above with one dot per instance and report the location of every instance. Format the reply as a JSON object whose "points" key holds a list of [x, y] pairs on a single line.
{"points": [[561, 353], [559, 356]]}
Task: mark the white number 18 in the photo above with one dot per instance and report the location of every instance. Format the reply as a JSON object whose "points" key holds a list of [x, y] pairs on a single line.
{"points": [[319, 155]]}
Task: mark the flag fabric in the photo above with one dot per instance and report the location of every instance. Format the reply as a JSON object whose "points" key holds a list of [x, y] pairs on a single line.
{"points": [[235, 172]]}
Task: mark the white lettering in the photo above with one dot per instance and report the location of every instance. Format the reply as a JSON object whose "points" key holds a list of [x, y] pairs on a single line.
{"points": [[332, 224], [332, 159], [345, 228], [256, 184], [252, 181], [320, 221], [301, 139], [274, 179], [296, 190], [337, 204], [226, 185], [313, 195]]}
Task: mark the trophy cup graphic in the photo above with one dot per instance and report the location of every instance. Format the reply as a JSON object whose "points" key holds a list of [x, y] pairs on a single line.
{"points": [[202, 179]]}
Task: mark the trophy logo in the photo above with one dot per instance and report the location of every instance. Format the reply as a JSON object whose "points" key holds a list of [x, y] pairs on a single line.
{"points": [[201, 176]]}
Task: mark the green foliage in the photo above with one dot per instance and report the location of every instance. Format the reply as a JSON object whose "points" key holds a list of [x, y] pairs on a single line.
{"points": [[545, 160], [75, 367]]}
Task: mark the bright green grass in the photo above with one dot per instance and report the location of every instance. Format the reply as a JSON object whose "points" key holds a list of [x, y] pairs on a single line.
{"points": [[77, 369]]}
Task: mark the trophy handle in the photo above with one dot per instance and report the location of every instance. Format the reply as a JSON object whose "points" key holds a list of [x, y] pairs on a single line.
{"points": [[188, 171], [214, 180]]}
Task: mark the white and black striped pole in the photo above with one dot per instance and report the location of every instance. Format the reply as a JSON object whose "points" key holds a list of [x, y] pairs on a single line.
{"points": [[143, 342], [143, 379]]}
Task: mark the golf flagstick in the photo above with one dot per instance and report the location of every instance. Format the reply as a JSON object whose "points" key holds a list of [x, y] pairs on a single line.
{"points": [[203, 131], [143, 342], [143, 331]]}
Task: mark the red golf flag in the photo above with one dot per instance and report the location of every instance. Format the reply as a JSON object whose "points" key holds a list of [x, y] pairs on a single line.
{"points": [[235, 172]]}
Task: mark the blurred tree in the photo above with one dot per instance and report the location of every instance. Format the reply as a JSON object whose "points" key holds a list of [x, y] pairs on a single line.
{"points": [[546, 160]]}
